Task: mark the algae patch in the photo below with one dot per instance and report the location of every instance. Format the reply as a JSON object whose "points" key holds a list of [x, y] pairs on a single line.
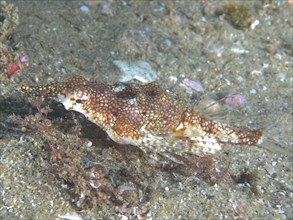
{"points": [[238, 15], [8, 19]]}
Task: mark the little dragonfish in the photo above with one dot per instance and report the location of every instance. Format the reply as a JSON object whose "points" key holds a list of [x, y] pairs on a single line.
{"points": [[145, 115]]}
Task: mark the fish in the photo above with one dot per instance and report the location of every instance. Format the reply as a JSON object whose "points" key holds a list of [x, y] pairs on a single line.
{"points": [[145, 115]]}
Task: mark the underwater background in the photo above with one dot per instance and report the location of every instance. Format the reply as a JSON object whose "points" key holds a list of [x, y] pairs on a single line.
{"points": [[54, 164]]}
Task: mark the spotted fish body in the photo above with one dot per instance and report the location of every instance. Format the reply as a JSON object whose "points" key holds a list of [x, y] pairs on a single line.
{"points": [[145, 115]]}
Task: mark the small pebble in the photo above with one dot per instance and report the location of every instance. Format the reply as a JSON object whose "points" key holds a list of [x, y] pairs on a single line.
{"points": [[24, 59], [254, 24], [274, 163], [253, 91], [84, 8]]}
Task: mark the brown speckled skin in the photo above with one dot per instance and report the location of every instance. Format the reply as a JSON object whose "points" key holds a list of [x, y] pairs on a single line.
{"points": [[145, 115]]}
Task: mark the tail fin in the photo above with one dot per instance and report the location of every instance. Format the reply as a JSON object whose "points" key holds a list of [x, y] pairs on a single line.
{"points": [[278, 136]]}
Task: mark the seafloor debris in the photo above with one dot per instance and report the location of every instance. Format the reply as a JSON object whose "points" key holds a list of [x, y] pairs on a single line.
{"points": [[145, 115], [194, 85], [140, 70]]}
